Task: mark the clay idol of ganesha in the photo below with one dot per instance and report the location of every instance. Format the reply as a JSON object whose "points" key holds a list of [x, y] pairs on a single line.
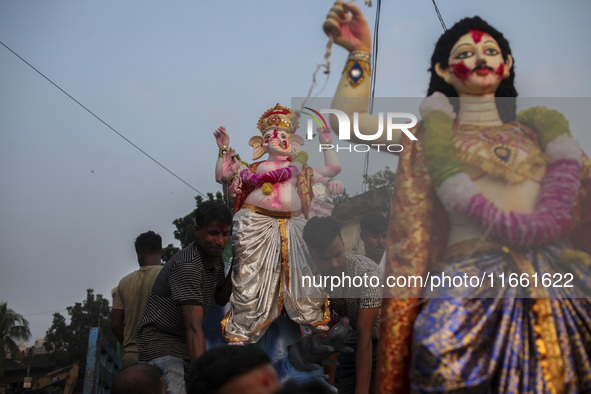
{"points": [[273, 199]]}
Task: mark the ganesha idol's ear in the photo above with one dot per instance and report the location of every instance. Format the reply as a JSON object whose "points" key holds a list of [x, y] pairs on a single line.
{"points": [[296, 143], [257, 145], [297, 139]]}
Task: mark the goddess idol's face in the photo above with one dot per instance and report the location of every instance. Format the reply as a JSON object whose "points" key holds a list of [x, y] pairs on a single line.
{"points": [[476, 65]]}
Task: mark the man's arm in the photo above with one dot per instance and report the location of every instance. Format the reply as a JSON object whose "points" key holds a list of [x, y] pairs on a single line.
{"points": [[363, 355], [330, 371], [117, 319], [222, 293], [193, 315]]}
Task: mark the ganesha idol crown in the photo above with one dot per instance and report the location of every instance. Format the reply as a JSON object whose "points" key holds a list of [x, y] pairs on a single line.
{"points": [[278, 117]]}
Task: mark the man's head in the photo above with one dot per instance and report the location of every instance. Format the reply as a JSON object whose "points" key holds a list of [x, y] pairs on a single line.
{"points": [[325, 244], [148, 247], [441, 57], [213, 223], [374, 229], [233, 369], [139, 379]]}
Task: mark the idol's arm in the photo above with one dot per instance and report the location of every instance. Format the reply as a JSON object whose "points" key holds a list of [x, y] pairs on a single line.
{"points": [[332, 165], [346, 24], [225, 167]]}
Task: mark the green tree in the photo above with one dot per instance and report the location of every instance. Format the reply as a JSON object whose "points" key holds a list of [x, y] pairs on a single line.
{"points": [[169, 251], [68, 342], [13, 327], [385, 177]]}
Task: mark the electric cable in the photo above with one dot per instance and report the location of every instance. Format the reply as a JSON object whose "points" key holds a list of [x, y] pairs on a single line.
{"points": [[374, 63], [102, 121], [439, 15]]}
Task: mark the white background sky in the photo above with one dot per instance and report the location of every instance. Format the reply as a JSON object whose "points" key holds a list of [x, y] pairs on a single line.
{"points": [[74, 195]]}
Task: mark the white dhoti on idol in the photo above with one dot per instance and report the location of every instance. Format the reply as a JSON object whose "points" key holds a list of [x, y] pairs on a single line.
{"points": [[270, 260]]}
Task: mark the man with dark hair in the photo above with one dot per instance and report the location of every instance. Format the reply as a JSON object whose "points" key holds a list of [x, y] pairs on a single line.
{"points": [[139, 379], [233, 369], [374, 229], [132, 294], [169, 334], [361, 304]]}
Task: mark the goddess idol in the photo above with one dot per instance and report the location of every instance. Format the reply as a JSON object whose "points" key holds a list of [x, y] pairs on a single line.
{"points": [[483, 190]]}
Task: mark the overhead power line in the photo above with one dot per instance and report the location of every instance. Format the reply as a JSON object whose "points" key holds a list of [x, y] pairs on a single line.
{"points": [[102, 121], [374, 63], [439, 15]]}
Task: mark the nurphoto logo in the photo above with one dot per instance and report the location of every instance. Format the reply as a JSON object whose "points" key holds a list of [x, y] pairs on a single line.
{"points": [[393, 122]]}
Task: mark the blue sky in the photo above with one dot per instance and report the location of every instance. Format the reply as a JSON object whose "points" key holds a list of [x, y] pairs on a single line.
{"points": [[75, 195]]}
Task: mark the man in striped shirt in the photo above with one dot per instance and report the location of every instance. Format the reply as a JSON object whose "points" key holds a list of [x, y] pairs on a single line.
{"points": [[169, 333]]}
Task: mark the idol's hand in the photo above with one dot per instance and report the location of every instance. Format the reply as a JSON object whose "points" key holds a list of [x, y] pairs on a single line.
{"points": [[346, 24], [221, 137], [324, 136], [230, 163], [436, 101], [335, 186]]}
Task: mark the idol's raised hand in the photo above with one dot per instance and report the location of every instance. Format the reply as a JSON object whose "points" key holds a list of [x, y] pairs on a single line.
{"points": [[324, 136], [346, 24], [221, 137], [231, 164]]}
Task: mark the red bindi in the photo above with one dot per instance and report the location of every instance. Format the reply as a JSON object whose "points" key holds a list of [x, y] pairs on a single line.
{"points": [[476, 35], [460, 70]]}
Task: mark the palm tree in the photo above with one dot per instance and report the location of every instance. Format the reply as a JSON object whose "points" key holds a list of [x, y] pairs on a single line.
{"points": [[12, 327]]}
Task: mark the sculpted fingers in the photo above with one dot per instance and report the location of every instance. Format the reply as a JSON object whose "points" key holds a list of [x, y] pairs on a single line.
{"points": [[324, 136], [336, 187], [354, 10], [221, 137], [234, 161], [335, 18], [346, 24]]}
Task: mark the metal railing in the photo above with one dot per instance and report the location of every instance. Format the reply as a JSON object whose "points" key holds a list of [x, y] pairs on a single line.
{"points": [[102, 364]]}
